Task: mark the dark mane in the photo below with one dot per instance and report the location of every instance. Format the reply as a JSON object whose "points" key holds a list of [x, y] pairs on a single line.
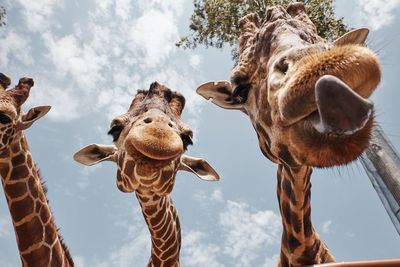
{"points": [[62, 242]]}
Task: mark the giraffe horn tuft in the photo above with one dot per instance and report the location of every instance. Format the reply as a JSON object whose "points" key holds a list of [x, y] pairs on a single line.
{"points": [[4, 81], [21, 92]]}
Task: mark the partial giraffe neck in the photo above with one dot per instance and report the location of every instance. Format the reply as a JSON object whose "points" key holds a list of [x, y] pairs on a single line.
{"points": [[163, 222], [301, 244], [38, 241]]}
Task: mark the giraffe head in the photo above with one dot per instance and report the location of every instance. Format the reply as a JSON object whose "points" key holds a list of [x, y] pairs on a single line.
{"points": [[149, 144], [306, 96], [12, 120]]}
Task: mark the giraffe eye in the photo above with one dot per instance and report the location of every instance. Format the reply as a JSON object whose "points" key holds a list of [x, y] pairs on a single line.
{"points": [[282, 66], [115, 132], [240, 93], [4, 119]]}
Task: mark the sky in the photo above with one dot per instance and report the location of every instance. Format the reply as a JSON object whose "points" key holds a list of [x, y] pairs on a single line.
{"points": [[88, 58]]}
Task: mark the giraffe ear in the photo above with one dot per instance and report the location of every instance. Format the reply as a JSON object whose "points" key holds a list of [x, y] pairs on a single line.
{"points": [[33, 115], [220, 93], [200, 167], [94, 153], [357, 36]]}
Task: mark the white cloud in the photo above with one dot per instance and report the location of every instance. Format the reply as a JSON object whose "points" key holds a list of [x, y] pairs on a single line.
{"points": [[195, 60], [184, 82], [217, 195], [39, 14], [15, 47], [154, 33], [71, 57], [198, 253], [64, 102], [271, 261], [248, 232], [136, 250], [84, 180], [98, 63], [376, 13], [208, 199], [175, 6], [79, 261], [326, 227], [123, 8], [248, 235]]}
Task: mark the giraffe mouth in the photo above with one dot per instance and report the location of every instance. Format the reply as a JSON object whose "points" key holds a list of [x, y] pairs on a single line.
{"points": [[329, 89], [155, 142], [340, 110]]}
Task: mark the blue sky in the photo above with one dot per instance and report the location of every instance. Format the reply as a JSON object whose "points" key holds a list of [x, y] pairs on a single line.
{"points": [[88, 58]]}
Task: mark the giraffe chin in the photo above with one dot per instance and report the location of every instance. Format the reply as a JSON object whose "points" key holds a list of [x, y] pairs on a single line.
{"points": [[328, 149], [338, 130]]}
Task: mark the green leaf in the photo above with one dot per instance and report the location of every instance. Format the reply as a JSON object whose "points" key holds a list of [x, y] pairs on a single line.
{"points": [[215, 22]]}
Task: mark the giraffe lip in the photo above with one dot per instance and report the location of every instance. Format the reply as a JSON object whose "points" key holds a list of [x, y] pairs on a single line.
{"points": [[340, 110], [157, 144]]}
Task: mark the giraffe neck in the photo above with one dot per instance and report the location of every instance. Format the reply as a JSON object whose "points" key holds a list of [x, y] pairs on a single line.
{"points": [[163, 222], [38, 241], [301, 244]]}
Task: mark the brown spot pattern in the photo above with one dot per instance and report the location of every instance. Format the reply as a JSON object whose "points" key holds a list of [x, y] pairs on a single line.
{"points": [[24, 232], [22, 208], [39, 257]]}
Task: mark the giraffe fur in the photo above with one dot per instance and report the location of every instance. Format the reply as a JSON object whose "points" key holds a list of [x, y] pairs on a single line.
{"points": [[149, 145], [38, 240], [284, 80]]}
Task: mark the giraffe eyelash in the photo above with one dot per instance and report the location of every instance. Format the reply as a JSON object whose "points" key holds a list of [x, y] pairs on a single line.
{"points": [[115, 132], [187, 140], [4, 119], [240, 93]]}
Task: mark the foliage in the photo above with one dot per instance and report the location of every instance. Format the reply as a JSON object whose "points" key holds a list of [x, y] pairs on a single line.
{"points": [[215, 22], [2, 16]]}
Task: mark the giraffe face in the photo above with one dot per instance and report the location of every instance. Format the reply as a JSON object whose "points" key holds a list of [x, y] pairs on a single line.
{"points": [[150, 140], [8, 120], [306, 97], [12, 119]]}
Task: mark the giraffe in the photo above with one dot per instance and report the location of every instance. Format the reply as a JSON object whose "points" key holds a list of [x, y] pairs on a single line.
{"points": [[149, 145], [37, 236], [306, 98]]}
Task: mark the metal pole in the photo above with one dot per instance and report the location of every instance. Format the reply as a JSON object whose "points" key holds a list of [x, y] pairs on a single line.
{"points": [[381, 162]]}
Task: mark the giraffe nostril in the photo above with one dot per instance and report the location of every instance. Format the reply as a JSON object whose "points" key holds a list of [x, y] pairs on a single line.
{"points": [[147, 120], [170, 125]]}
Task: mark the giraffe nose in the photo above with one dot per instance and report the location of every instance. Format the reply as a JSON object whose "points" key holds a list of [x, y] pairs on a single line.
{"points": [[158, 120], [156, 137]]}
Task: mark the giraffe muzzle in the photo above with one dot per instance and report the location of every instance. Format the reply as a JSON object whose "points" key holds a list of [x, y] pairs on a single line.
{"points": [[155, 137], [343, 70]]}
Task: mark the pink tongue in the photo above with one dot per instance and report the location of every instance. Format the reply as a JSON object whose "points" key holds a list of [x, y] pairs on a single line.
{"points": [[340, 109]]}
